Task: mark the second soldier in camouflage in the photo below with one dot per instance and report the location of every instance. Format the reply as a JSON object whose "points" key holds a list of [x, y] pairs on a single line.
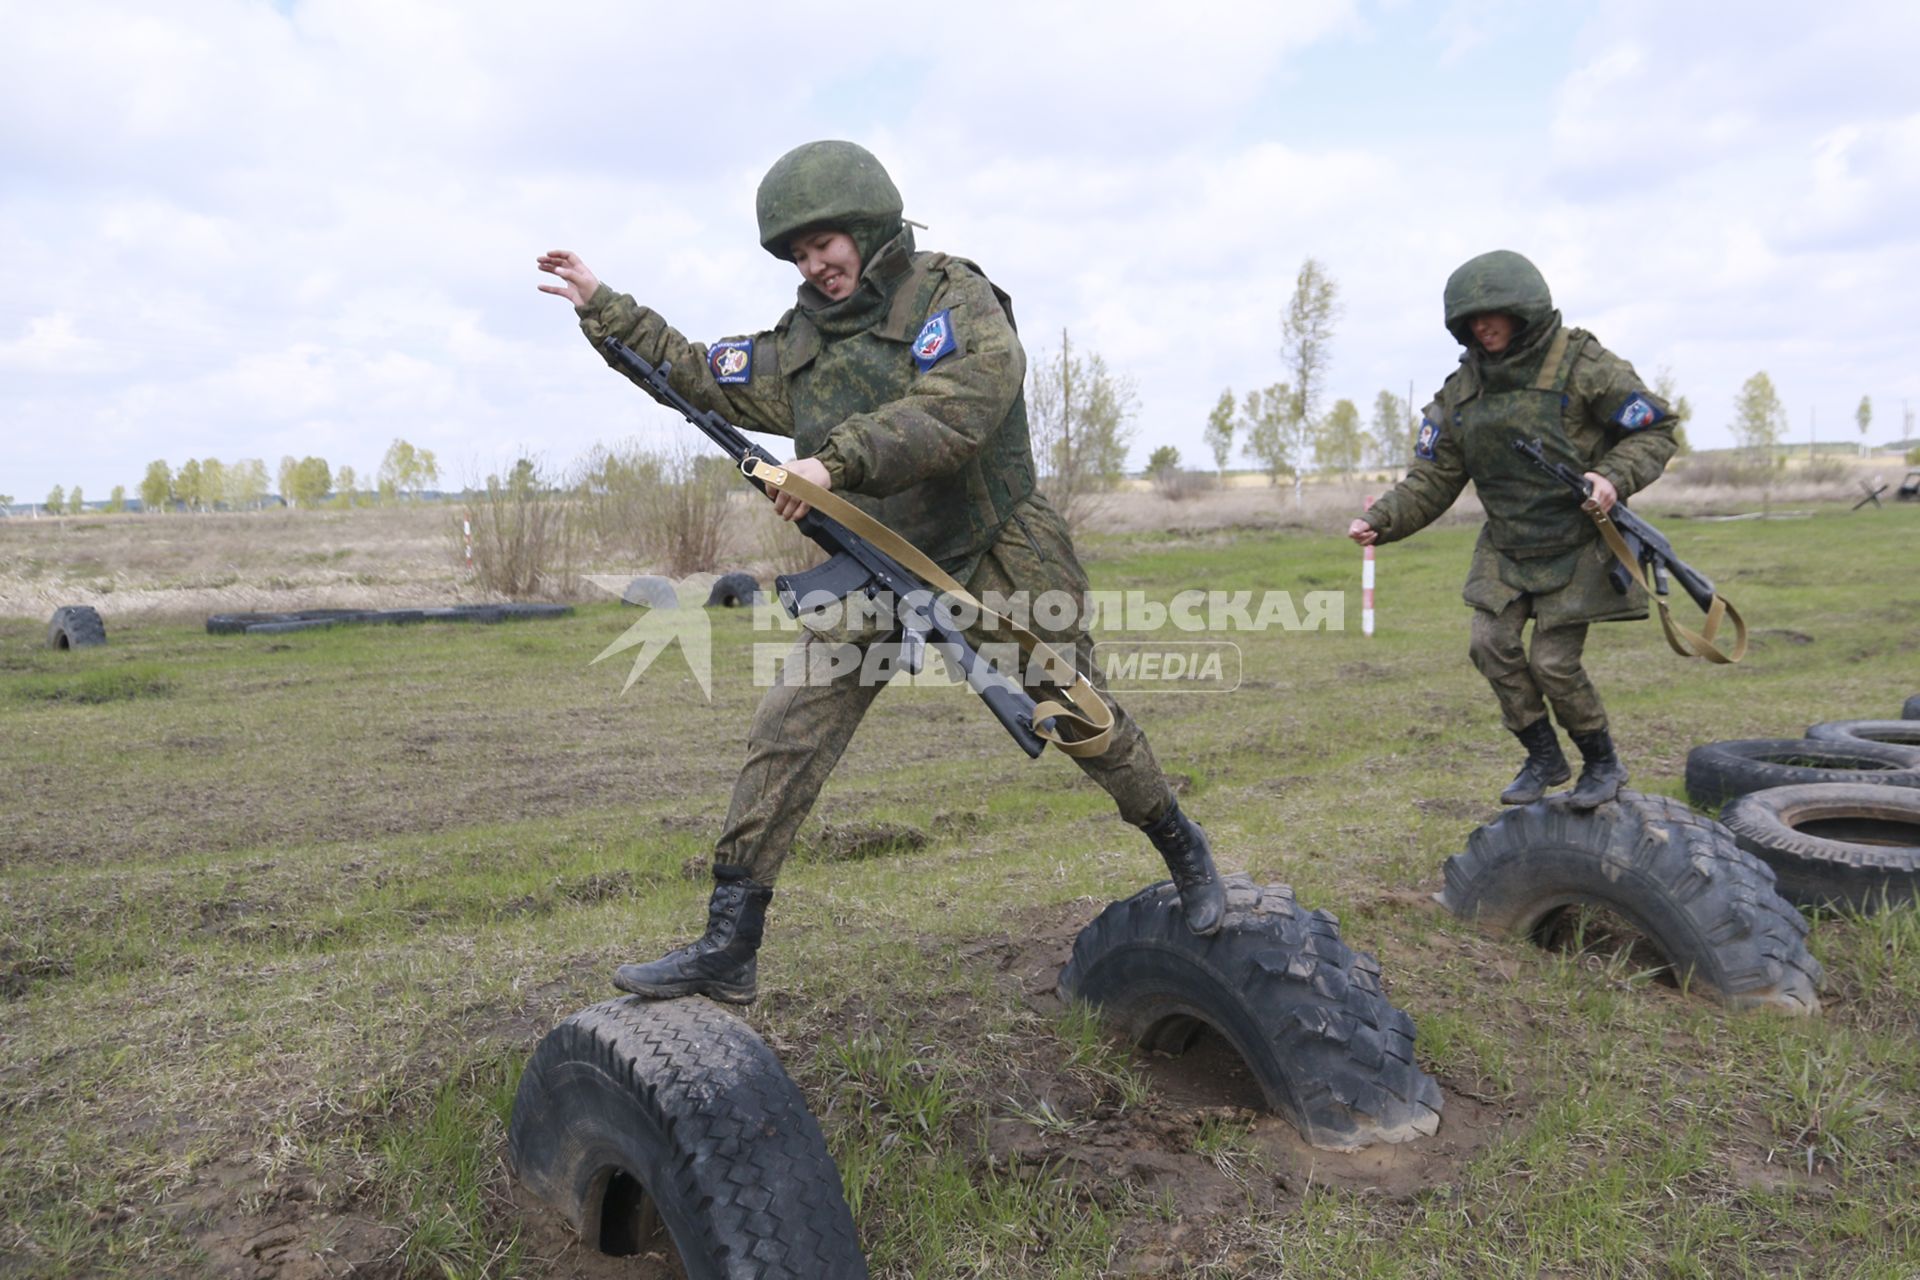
{"points": [[1523, 374]]}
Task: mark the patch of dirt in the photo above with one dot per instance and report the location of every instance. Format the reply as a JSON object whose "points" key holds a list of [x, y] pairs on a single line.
{"points": [[1202, 1144], [858, 841], [1440, 807]]}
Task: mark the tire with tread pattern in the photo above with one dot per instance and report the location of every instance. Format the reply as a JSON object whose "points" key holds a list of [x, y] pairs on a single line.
{"points": [[732, 590], [1719, 771], [1304, 1012], [75, 626], [1708, 906], [1887, 733], [1834, 844], [640, 1115]]}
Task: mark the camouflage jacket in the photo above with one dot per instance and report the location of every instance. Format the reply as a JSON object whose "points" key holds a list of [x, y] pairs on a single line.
{"points": [[1589, 409], [920, 417]]}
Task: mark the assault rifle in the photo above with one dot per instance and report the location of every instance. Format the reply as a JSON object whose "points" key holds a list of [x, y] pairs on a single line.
{"points": [[853, 564], [1635, 543], [1646, 544]]}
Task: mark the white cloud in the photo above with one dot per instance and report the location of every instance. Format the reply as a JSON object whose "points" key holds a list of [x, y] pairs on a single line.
{"points": [[241, 231]]}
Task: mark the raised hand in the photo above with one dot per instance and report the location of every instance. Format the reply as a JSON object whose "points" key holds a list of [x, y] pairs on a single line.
{"points": [[577, 281]]}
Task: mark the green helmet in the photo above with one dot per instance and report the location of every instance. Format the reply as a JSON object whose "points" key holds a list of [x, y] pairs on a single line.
{"points": [[837, 184], [1497, 281]]}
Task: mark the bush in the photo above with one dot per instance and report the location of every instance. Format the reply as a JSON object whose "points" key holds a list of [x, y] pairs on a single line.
{"points": [[525, 537], [1177, 484], [1726, 469], [668, 509]]}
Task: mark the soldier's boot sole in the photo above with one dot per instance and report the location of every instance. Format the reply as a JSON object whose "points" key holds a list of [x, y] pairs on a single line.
{"points": [[1529, 786], [646, 981], [1598, 784], [1204, 906]]}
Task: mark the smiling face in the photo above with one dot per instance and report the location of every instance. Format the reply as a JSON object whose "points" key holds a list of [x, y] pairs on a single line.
{"points": [[829, 260], [1493, 330]]}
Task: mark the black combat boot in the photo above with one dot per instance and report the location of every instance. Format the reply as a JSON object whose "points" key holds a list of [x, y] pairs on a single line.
{"points": [[720, 965], [1546, 764], [1602, 776], [1184, 846]]}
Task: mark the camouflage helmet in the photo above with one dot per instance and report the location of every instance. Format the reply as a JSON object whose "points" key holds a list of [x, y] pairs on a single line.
{"points": [[1499, 281], [823, 183]]}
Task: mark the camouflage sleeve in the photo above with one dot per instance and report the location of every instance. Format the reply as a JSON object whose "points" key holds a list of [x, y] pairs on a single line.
{"points": [[1635, 425], [1431, 485], [955, 402], [738, 378]]}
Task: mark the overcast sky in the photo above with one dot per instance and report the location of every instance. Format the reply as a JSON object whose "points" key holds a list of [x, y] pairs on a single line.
{"points": [[240, 229]]}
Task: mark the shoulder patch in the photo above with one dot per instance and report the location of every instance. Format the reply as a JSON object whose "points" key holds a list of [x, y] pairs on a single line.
{"points": [[1639, 411], [731, 362], [1428, 440], [936, 340]]}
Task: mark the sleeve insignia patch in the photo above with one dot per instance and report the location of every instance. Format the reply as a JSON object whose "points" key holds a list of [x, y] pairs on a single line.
{"points": [[936, 341], [1428, 440], [1637, 412], [731, 362]]}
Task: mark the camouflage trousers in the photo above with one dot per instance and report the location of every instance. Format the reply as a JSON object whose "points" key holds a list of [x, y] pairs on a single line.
{"points": [[1526, 679], [808, 716]]}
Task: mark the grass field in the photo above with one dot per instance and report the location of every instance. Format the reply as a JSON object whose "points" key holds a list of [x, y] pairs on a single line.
{"points": [[281, 917]]}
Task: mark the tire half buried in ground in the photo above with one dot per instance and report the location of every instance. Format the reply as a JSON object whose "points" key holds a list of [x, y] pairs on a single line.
{"points": [[75, 626], [1709, 907], [733, 591], [1303, 1011], [1834, 844], [1719, 771], [636, 1117]]}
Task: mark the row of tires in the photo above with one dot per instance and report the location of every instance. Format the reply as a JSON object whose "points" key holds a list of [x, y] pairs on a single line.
{"points": [[636, 1118], [1836, 814], [79, 626], [266, 624]]}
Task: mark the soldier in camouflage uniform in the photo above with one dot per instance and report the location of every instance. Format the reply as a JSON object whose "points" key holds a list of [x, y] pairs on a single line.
{"points": [[1539, 556], [899, 377]]}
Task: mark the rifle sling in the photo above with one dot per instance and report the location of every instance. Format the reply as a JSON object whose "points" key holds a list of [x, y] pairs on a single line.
{"points": [[1083, 708], [1681, 639]]}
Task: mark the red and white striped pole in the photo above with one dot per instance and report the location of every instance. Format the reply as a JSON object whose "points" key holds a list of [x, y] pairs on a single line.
{"points": [[1366, 583]]}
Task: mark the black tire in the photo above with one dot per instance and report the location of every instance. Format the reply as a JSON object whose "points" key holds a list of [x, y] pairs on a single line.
{"points": [[1719, 771], [532, 611], [1706, 905], [1834, 844], [226, 624], [1888, 733], [75, 626], [1911, 710], [731, 590], [284, 626], [1303, 1011], [635, 1115], [651, 590], [482, 613]]}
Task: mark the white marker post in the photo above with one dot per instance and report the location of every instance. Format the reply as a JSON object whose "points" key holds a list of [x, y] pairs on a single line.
{"points": [[466, 529], [1366, 583]]}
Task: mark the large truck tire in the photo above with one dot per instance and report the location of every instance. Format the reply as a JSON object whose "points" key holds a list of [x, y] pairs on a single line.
{"points": [[1911, 709], [1709, 907], [1834, 844], [75, 626], [638, 1116], [1719, 771], [1303, 1011], [734, 590]]}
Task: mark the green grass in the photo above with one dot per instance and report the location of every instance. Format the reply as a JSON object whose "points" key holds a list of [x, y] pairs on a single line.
{"points": [[280, 917]]}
